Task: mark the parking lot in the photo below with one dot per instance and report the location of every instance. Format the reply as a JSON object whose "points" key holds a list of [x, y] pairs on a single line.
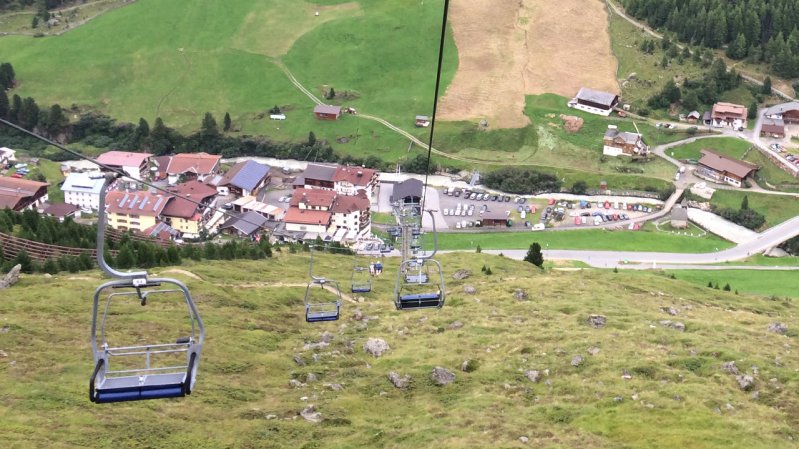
{"points": [[464, 209]]}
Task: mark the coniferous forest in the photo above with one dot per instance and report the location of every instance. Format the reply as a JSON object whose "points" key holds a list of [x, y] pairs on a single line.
{"points": [[763, 31]]}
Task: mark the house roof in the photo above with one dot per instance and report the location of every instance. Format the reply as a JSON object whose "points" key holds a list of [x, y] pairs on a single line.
{"points": [[409, 187], [327, 109], [60, 210], [422, 117], [312, 197], [773, 125], [123, 158], [161, 163], [596, 96], [19, 187], [246, 223], [186, 194], [161, 231], [694, 114], [136, 203], [679, 213], [247, 174], [199, 163], [722, 163], [250, 203], [305, 216], [498, 216], [729, 109], [82, 182], [7, 152], [347, 204], [707, 116], [320, 172], [628, 137], [358, 176], [783, 108]]}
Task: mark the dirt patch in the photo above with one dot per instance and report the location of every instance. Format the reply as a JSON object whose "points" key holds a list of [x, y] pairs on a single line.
{"points": [[507, 50], [571, 123], [183, 272]]}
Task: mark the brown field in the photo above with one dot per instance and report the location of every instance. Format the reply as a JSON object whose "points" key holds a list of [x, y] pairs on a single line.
{"points": [[508, 49]]}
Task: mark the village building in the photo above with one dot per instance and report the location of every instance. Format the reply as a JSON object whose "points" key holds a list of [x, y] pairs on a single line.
{"points": [[728, 115], [246, 225], [7, 156], [679, 215], [158, 167], [723, 169], [61, 211], [82, 190], [408, 192], [787, 112], [772, 127], [594, 101], [623, 143], [343, 180], [183, 213], [351, 218], [135, 211], [493, 219], [19, 194], [318, 212], [135, 165], [243, 179], [187, 166], [327, 112], [422, 121], [693, 117], [251, 204]]}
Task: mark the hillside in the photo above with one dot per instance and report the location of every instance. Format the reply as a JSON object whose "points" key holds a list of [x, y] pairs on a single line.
{"points": [[677, 394]]}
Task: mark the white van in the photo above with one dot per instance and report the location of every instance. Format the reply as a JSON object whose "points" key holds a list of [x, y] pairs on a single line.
{"points": [[538, 227], [277, 116], [523, 214]]}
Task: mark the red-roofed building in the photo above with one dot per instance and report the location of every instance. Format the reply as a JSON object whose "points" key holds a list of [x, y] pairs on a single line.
{"points": [[325, 212], [307, 220], [312, 199], [188, 166], [327, 112], [136, 165], [62, 211], [20, 194], [352, 213], [721, 168], [183, 214], [342, 180], [728, 115], [135, 211]]}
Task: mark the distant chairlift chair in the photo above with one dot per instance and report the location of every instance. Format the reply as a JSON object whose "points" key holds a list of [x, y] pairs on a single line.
{"points": [[322, 298], [420, 281], [143, 377], [361, 281]]}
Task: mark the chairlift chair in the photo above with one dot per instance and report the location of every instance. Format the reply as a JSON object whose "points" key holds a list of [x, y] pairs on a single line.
{"points": [[322, 303], [420, 281], [145, 375], [361, 281], [317, 310]]}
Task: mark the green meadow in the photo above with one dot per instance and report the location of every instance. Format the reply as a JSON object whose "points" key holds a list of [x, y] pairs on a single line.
{"points": [[673, 393]]}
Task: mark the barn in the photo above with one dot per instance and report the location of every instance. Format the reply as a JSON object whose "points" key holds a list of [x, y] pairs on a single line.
{"points": [[327, 112], [773, 127], [408, 192], [788, 112], [494, 219]]}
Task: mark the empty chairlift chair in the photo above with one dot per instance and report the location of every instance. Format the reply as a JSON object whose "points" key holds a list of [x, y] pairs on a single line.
{"points": [[361, 281], [322, 301], [420, 281], [136, 370]]}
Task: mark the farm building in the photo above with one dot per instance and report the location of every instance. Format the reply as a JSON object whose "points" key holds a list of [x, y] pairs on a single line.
{"points": [[20, 194], [344, 180], [773, 127], [728, 115], [136, 165], [62, 211], [247, 224], [787, 112], [494, 219], [188, 166], [408, 192], [594, 101], [720, 168], [624, 143], [327, 112], [693, 117], [679, 216], [422, 121]]}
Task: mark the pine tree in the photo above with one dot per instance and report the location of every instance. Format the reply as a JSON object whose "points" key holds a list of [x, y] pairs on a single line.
{"points": [[727, 287], [752, 111], [745, 203], [227, 122], [50, 266], [16, 105], [5, 105], [767, 86], [331, 94], [7, 76], [534, 255], [126, 258], [311, 139], [209, 128]]}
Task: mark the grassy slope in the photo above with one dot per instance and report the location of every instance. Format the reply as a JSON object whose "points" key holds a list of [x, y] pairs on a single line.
{"points": [[771, 174], [255, 328], [775, 208], [725, 145]]}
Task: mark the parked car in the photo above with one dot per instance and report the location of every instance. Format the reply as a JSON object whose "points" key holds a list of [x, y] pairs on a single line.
{"points": [[540, 227], [446, 212], [457, 193], [506, 198]]}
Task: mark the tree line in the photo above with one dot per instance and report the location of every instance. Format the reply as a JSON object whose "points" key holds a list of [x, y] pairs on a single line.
{"points": [[763, 31]]}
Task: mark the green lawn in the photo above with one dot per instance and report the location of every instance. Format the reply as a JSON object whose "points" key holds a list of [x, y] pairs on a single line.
{"points": [[758, 282], [383, 218], [776, 208], [770, 174], [729, 146], [582, 239]]}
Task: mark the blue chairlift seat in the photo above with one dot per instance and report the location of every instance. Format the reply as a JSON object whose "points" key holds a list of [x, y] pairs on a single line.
{"points": [[137, 388], [316, 312], [315, 315], [361, 288], [420, 301]]}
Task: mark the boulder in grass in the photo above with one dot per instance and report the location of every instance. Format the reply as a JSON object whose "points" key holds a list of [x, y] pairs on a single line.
{"points": [[442, 376], [376, 346]]}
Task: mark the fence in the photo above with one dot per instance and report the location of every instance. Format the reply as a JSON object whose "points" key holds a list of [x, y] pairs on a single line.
{"points": [[40, 251]]}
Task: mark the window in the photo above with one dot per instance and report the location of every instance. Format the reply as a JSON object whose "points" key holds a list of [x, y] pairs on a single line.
{"points": [[134, 216]]}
